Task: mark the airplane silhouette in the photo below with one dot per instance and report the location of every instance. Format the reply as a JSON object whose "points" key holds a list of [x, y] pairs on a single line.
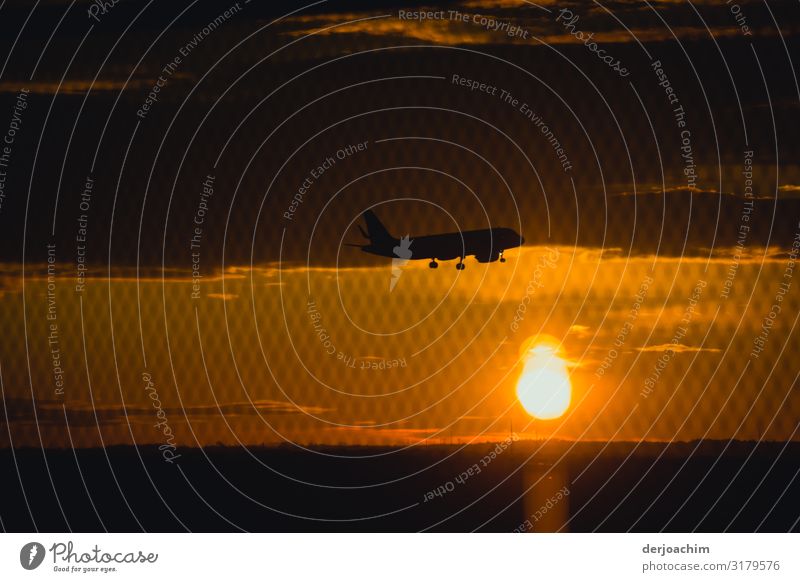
{"points": [[486, 245]]}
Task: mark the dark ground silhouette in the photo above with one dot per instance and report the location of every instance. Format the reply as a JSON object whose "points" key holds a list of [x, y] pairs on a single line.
{"points": [[200, 489]]}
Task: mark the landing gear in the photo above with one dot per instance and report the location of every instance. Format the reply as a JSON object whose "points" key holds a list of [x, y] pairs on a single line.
{"points": [[502, 258], [433, 264], [460, 266]]}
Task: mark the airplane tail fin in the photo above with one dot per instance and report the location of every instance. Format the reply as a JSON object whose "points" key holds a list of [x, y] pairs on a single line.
{"points": [[376, 232]]}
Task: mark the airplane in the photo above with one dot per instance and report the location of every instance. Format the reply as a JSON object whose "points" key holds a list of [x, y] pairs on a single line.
{"points": [[486, 245]]}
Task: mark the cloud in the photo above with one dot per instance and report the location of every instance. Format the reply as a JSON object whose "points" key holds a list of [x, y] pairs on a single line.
{"points": [[78, 86], [756, 255], [430, 31], [389, 435], [223, 296], [432, 435], [504, 4], [580, 331], [533, 26], [676, 348], [789, 191], [652, 189], [82, 413], [82, 86]]}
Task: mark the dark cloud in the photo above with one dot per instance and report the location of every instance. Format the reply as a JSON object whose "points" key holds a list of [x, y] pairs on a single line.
{"points": [[271, 110], [45, 412]]}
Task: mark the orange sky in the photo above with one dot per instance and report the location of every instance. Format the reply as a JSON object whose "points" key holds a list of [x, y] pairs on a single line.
{"points": [[684, 345], [437, 358]]}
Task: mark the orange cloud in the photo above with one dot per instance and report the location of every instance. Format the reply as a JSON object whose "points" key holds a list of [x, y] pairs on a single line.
{"points": [[675, 348], [451, 32], [81, 86]]}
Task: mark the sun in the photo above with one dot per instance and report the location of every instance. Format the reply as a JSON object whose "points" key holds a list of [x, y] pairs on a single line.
{"points": [[544, 388]]}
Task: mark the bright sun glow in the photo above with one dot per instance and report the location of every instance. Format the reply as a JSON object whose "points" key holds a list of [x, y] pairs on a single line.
{"points": [[544, 388]]}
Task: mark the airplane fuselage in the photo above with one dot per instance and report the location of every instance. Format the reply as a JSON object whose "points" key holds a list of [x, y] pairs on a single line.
{"points": [[486, 245]]}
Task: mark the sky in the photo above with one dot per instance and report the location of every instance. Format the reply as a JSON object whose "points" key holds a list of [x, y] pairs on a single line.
{"points": [[179, 196]]}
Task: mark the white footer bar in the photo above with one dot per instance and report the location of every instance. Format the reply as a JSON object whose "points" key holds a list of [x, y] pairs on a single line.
{"points": [[399, 557]]}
